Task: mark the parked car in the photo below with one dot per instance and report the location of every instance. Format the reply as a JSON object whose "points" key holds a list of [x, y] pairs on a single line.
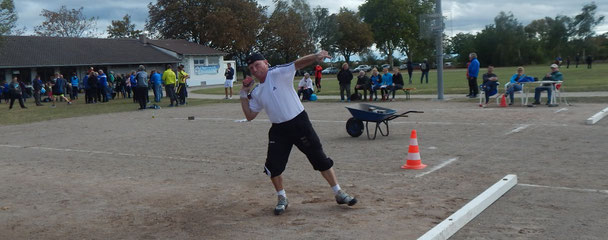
{"points": [[365, 68], [330, 70], [385, 66], [403, 67]]}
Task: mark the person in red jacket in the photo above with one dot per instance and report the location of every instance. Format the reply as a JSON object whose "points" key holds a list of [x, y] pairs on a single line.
{"points": [[318, 76]]}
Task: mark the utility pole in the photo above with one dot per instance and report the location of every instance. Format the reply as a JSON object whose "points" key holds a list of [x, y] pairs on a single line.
{"points": [[439, 44]]}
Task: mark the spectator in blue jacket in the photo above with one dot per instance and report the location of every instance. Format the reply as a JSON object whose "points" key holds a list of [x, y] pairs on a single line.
{"points": [[5, 92], [375, 82], [515, 83], [156, 80], [133, 85], [75, 83], [387, 83], [473, 72], [102, 87]]}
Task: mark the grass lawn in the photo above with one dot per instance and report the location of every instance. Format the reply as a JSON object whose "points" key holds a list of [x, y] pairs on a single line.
{"points": [[43, 113], [578, 79]]}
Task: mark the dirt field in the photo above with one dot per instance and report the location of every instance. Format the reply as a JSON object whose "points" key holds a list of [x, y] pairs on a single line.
{"points": [[132, 176]]}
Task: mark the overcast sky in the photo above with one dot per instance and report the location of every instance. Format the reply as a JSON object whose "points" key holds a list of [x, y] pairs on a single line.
{"points": [[462, 15]]}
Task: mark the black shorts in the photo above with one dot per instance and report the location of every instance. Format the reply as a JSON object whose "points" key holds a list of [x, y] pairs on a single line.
{"points": [[297, 131]]}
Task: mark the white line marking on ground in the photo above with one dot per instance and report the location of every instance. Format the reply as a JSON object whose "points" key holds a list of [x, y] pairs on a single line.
{"points": [[438, 167], [122, 154], [518, 129], [456, 221], [596, 117], [561, 110], [565, 188]]}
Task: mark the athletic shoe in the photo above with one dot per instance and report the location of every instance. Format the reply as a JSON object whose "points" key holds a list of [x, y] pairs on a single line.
{"points": [[535, 103], [281, 205], [343, 198], [69, 103]]}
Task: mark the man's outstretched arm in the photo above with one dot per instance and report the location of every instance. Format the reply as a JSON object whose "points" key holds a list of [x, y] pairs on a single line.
{"points": [[310, 59]]}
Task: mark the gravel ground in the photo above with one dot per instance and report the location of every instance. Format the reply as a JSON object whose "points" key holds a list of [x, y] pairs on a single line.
{"points": [[157, 175]]}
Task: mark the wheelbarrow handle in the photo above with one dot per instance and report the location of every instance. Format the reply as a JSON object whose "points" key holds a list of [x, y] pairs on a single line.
{"points": [[404, 114]]}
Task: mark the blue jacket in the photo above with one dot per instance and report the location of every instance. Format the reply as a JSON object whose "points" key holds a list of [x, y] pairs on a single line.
{"points": [[515, 77], [75, 81], [133, 81], [102, 80], [5, 90], [85, 82], [387, 79], [474, 68], [375, 81], [156, 78]]}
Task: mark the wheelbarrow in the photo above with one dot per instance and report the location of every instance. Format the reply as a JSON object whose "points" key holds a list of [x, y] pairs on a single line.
{"points": [[369, 113]]}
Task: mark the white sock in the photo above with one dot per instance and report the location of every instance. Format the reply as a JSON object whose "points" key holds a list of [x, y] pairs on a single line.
{"points": [[336, 188], [281, 193]]}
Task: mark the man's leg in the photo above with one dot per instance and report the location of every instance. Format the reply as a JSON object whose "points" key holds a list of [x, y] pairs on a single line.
{"points": [[549, 95], [342, 88], [226, 92], [347, 92]]}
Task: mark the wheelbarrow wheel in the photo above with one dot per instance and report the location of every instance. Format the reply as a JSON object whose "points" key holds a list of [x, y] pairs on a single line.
{"points": [[354, 127]]}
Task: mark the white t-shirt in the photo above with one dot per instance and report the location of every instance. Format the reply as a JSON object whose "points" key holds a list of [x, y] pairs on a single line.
{"points": [[306, 82], [276, 95]]}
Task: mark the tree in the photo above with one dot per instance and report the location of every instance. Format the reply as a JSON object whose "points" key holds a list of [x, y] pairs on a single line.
{"points": [[395, 23], [324, 31], [550, 34], [8, 17], [584, 23], [353, 35], [284, 37], [66, 23], [462, 44], [123, 28]]}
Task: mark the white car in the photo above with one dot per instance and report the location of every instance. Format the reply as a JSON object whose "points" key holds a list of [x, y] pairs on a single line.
{"points": [[365, 68]]}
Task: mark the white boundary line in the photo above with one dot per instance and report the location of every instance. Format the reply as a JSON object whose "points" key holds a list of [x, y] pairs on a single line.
{"points": [[596, 117], [561, 110], [565, 188], [518, 129], [437, 167], [454, 222]]}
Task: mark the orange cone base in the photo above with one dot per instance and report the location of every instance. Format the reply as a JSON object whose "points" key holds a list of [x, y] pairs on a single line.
{"points": [[420, 166]]}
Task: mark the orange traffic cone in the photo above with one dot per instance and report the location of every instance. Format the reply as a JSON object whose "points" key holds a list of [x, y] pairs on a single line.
{"points": [[413, 155], [503, 101]]}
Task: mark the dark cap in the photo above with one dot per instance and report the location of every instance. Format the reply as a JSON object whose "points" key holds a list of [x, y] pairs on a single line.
{"points": [[254, 57]]}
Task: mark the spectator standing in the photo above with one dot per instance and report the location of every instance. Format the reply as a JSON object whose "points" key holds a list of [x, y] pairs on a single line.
{"points": [[102, 88], [472, 73], [577, 59], [156, 80], [141, 88], [119, 87], [397, 82], [344, 78], [15, 92], [589, 61], [75, 83], [568, 62], [362, 84], [92, 91], [410, 69], [169, 80], [37, 84], [229, 74], [554, 75], [424, 67], [128, 84], [318, 76], [133, 85], [387, 83], [6, 92], [182, 78]]}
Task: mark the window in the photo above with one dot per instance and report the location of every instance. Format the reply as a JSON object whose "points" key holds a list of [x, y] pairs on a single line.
{"points": [[200, 61], [213, 61]]}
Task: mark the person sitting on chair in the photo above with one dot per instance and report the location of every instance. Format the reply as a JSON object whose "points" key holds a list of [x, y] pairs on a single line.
{"points": [[554, 75], [362, 84], [375, 83], [490, 82], [515, 83], [397, 82], [305, 87], [387, 83]]}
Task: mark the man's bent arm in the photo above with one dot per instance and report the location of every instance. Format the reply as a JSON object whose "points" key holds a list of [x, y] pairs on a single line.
{"points": [[250, 115], [310, 59]]}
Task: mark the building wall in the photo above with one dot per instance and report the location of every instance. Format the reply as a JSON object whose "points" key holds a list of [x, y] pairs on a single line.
{"points": [[205, 70]]}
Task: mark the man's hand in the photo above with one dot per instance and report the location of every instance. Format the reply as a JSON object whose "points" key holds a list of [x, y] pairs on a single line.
{"points": [[322, 55], [247, 84]]}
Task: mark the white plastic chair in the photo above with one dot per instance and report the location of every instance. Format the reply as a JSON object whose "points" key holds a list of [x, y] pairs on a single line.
{"points": [[523, 94], [482, 96]]}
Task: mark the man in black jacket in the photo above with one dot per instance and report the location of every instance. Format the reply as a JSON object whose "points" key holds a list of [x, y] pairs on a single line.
{"points": [[344, 78], [37, 86], [362, 84], [424, 67], [397, 82]]}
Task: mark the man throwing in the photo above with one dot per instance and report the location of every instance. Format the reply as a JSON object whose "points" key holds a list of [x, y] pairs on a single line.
{"points": [[290, 123]]}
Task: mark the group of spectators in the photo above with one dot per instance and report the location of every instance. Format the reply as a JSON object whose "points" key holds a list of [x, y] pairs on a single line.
{"points": [[100, 87], [490, 82], [386, 82]]}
